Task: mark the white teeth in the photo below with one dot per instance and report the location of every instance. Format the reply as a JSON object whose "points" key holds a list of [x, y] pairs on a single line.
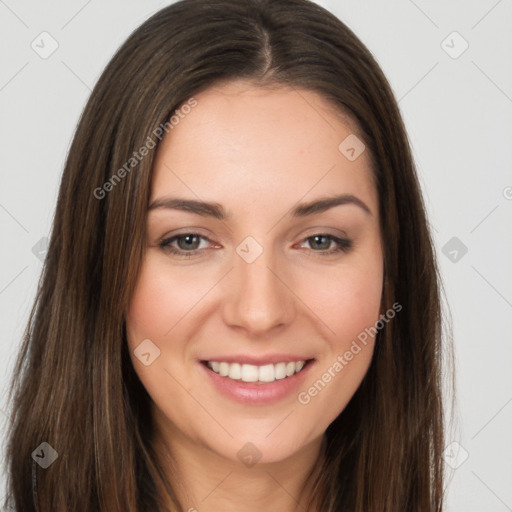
{"points": [[249, 373], [280, 370], [224, 369], [235, 371], [267, 373], [252, 373]]}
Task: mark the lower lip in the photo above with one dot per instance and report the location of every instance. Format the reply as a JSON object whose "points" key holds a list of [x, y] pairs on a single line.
{"points": [[252, 393]]}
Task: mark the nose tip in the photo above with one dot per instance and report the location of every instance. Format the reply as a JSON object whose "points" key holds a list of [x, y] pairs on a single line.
{"points": [[257, 300]]}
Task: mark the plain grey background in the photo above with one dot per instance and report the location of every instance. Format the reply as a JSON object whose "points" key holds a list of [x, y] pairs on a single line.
{"points": [[450, 66]]}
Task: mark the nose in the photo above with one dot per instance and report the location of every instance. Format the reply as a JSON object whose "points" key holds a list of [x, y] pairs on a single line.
{"points": [[257, 298]]}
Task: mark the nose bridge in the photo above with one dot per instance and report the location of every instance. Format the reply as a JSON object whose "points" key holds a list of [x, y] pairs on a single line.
{"points": [[257, 300]]}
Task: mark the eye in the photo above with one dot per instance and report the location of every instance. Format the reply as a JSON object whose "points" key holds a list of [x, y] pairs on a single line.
{"points": [[322, 243], [185, 245]]}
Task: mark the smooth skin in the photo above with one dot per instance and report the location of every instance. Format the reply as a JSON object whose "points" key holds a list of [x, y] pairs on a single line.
{"points": [[258, 153]]}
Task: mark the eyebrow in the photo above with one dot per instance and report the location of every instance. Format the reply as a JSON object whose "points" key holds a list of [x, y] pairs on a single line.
{"points": [[215, 210]]}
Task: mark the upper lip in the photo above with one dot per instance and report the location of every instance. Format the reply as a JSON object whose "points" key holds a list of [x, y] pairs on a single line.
{"points": [[258, 360]]}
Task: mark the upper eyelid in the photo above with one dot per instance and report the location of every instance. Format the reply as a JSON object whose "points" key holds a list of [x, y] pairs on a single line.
{"points": [[172, 238], [200, 235], [317, 230]]}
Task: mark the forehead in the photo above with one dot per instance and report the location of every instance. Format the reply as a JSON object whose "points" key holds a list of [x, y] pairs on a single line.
{"points": [[244, 139], [265, 112]]}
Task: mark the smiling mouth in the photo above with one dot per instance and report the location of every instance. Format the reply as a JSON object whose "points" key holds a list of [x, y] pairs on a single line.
{"points": [[250, 373]]}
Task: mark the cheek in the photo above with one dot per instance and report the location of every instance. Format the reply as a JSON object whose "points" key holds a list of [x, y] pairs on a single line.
{"points": [[160, 300], [347, 300]]}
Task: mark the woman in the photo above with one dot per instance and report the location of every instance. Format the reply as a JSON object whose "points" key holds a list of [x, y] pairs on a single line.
{"points": [[239, 309]]}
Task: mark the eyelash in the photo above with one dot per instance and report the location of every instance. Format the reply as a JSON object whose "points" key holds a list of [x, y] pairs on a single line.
{"points": [[343, 245]]}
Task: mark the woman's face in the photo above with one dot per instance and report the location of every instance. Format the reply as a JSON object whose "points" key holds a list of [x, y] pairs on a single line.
{"points": [[245, 270]]}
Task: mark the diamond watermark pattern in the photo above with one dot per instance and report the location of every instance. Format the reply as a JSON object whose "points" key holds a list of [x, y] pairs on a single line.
{"points": [[454, 45], [40, 248], [147, 352], [44, 45], [455, 455], [249, 249], [45, 455], [351, 147], [249, 454], [454, 249]]}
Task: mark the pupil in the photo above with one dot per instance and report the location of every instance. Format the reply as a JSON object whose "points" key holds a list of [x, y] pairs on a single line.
{"points": [[190, 239], [325, 244]]}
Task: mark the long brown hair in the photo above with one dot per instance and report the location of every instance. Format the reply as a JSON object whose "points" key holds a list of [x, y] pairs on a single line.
{"points": [[74, 385]]}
